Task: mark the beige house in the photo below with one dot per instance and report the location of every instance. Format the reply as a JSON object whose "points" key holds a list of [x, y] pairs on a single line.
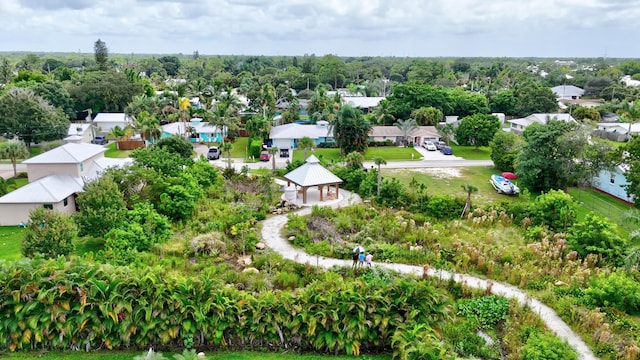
{"points": [[393, 133], [55, 178]]}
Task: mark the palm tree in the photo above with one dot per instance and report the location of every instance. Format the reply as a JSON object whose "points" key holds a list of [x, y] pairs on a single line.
{"points": [[632, 259], [469, 189], [305, 144], [13, 151], [226, 147], [379, 161], [382, 113], [406, 127], [6, 185], [148, 126], [183, 107], [630, 112], [446, 133], [272, 152], [354, 160]]}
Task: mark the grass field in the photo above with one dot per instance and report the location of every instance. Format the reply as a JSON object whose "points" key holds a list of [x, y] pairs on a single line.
{"points": [[470, 153], [450, 181], [605, 205], [112, 152], [322, 154], [128, 355], [239, 149], [10, 239], [389, 153]]}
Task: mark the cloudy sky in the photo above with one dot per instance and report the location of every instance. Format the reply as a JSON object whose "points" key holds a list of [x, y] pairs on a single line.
{"points": [[540, 28]]}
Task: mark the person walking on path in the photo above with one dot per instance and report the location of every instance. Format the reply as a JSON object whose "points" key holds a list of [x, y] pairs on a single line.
{"points": [[361, 259], [355, 257], [369, 259]]}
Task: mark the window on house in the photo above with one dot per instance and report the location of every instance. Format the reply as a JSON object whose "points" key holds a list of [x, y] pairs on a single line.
{"points": [[48, 206], [65, 202], [81, 167]]}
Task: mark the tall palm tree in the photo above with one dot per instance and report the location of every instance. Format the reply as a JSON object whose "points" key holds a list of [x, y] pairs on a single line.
{"points": [[148, 126], [272, 152], [226, 147], [469, 189], [406, 127], [382, 114], [13, 151], [305, 144], [379, 161], [183, 107]]}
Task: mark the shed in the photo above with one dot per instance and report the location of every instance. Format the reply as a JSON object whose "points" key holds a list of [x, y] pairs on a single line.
{"points": [[313, 174]]}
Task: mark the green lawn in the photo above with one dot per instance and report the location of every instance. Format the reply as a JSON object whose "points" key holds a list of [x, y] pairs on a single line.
{"points": [[450, 181], [470, 153], [113, 153], [389, 153], [10, 239], [239, 149], [605, 205], [392, 153], [128, 355]]}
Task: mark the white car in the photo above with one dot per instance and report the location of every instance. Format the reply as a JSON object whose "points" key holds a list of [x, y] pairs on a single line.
{"points": [[429, 145]]}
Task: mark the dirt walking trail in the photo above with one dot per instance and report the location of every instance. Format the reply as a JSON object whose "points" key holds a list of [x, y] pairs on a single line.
{"points": [[271, 230]]}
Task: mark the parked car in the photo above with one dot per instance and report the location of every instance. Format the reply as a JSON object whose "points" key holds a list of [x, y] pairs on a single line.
{"points": [[100, 140], [447, 150], [440, 144], [264, 155], [429, 145], [214, 153]]}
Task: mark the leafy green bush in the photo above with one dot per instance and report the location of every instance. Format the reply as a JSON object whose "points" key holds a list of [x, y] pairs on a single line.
{"points": [[617, 290], [48, 233], [255, 147], [487, 310], [444, 207], [596, 235], [547, 347]]}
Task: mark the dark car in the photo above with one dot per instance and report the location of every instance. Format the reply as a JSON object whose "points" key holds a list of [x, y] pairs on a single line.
{"points": [[264, 155], [214, 153], [100, 140], [447, 150]]}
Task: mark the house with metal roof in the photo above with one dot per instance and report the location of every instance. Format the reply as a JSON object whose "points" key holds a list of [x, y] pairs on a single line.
{"points": [[393, 133], [202, 131], [311, 174], [287, 136], [567, 92], [614, 183], [104, 122], [517, 126], [55, 177], [79, 133]]}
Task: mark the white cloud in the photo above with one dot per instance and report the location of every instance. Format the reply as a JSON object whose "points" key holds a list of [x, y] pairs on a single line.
{"points": [[343, 27]]}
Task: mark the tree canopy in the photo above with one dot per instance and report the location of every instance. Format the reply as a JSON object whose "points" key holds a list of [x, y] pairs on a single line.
{"points": [[477, 130], [350, 129]]}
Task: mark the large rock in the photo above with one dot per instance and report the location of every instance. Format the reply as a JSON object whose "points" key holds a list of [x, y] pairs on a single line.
{"points": [[261, 246], [251, 270], [244, 261]]}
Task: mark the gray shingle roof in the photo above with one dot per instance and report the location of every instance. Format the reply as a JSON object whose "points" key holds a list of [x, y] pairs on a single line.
{"points": [[48, 190], [312, 173], [67, 154]]}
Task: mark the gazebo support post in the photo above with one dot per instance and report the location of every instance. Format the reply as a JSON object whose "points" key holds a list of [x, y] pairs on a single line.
{"points": [[320, 190]]}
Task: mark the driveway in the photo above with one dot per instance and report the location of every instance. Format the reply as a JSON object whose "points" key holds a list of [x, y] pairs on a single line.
{"points": [[435, 155]]}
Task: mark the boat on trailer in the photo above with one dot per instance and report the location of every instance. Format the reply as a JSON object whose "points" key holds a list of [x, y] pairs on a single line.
{"points": [[503, 185]]}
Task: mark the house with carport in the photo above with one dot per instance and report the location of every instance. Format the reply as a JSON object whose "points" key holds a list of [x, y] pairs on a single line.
{"points": [[200, 131], [287, 136], [393, 133], [517, 126], [55, 178], [104, 122]]}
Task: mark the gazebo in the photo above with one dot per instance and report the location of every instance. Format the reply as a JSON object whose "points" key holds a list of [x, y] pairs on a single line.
{"points": [[313, 174]]}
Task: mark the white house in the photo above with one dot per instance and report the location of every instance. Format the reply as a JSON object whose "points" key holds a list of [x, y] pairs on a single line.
{"points": [[614, 183], [393, 133], [79, 133], [518, 125], [202, 130], [627, 80], [365, 103], [567, 92], [55, 177], [287, 136], [104, 122]]}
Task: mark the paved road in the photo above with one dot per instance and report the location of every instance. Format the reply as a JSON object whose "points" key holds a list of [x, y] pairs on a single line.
{"points": [[6, 170], [271, 235]]}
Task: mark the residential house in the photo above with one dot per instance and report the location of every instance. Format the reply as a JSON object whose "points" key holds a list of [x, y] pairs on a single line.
{"points": [[614, 183], [628, 81], [104, 122], [616, 131], [55, 178], [79, 133], [287, 136], [569, 92], [393, 133], [517, 126], [201, 131], [364, 103]]}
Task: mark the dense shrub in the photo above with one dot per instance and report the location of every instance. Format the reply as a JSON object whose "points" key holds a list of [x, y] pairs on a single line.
{"points": [[487, 310], [617, 290], [547, 347], [444, 207], [255, 147], [81, 305], [48, 233], [596, 235]]}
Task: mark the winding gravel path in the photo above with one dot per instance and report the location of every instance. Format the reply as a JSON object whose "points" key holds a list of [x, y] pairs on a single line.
{"points": [[271, 229]]}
